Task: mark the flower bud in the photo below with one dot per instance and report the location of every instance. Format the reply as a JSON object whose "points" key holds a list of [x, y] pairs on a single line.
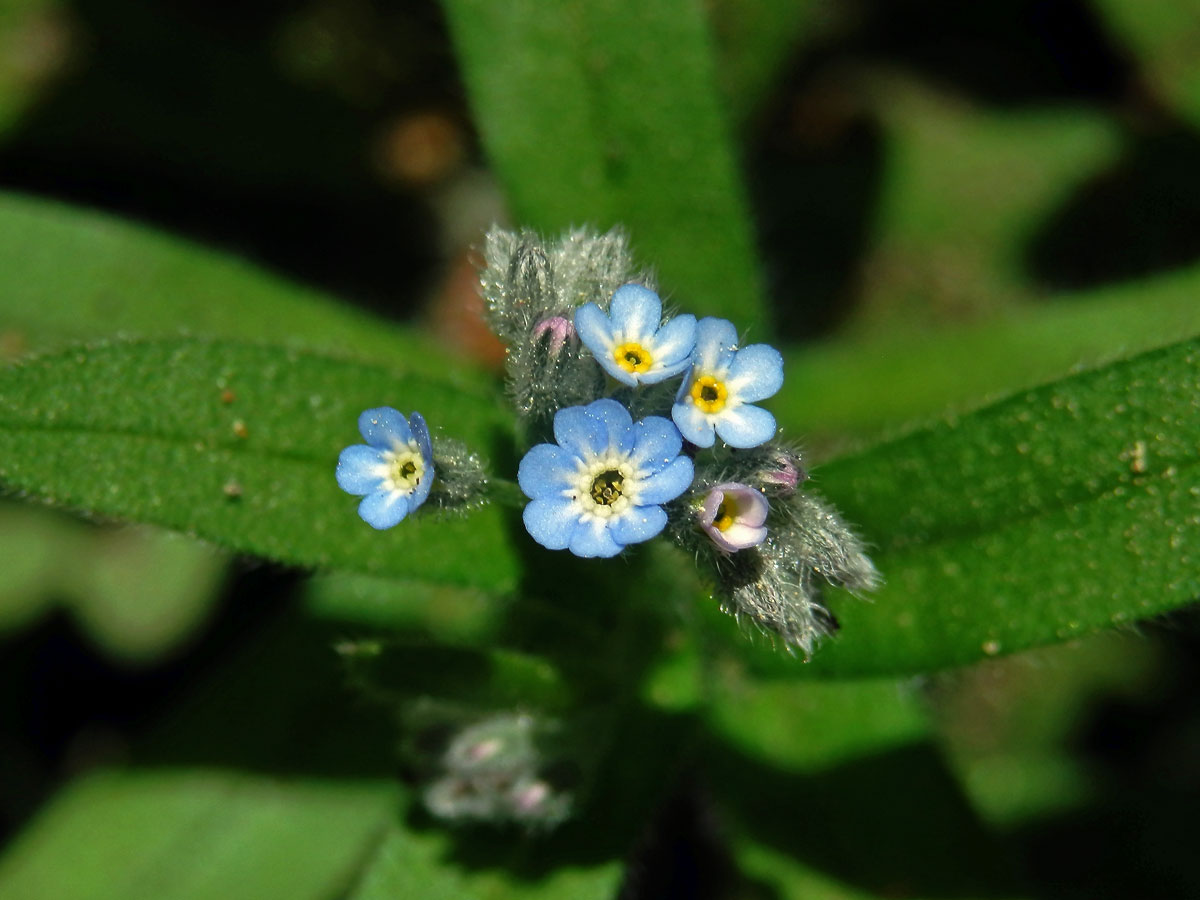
{"points": [[732, 515]]}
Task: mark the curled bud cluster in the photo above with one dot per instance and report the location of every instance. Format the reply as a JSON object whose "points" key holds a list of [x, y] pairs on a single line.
{"points": [[531, 290], [493, 770]]}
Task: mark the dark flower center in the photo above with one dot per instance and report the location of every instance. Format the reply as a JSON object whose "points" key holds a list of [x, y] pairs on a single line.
{"points": [[606, 487], [709, 393]]}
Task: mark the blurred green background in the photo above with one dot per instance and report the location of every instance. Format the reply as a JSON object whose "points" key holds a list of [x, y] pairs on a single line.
{"points": [[945, 202]]}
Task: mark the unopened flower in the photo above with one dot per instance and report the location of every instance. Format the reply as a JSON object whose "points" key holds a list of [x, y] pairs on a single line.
{"points": [[393, 471], [560, 331], [781, 471], [630, 342], [601, 487], [716, 394], [733, 515]]}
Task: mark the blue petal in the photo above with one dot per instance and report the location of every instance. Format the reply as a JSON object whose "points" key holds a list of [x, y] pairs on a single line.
{"points": [[383, 509], [715, 343], [657, 443], [617, 423], [667, 484], [639, 524], [420, 431], [358, 469], [384, 427], [636, 313], [693, 423], [551, 522], [593, 539], [595, 330], [756, 373], [421, 491], [745, 426], [545, 471], [580, 433], [675, 341]]}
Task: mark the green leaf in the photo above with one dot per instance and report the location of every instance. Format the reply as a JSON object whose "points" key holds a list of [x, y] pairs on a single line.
{"points": [[806, 727], [263, 780], [237, 444], [837, 388], [130, 280], [442, 612], [484, 679], [412, 863], [1161, 35], [965, 191], [135, 591], [756, 39], [1049, 515], [853, 757], [183, 834], [606, 112]]}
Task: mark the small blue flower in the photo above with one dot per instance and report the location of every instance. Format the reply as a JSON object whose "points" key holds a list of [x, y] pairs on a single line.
{"points": [[630, 343], [716, 394], [393, 471], [600, 488]]}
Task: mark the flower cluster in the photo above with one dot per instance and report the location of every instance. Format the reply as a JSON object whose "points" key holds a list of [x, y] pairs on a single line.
{"points": [[493, 771], [649, 424]]}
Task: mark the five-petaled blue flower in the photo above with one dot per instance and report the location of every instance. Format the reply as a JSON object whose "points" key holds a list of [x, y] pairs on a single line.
{"points": [[394, 469], [601, 487], [716, 394], [630, 342]]}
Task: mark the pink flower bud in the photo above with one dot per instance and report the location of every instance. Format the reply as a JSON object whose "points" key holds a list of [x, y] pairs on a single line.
{"points": [[733, 515], [560, 330], [782, 473]]}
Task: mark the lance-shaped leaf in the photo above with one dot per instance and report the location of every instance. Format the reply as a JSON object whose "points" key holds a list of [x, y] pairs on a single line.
{"points": [[128, 279], [237, 444], [608, 113], [184, 834], [1051, 514]]}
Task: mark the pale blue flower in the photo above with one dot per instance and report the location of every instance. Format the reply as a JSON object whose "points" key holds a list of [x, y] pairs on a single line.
{"points": [[716, 394], [393, 471], [601, 486], [630, 342]]}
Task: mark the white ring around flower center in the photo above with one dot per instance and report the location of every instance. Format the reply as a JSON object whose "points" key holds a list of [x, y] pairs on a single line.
{"points": [[586, 473], [403, 468]]}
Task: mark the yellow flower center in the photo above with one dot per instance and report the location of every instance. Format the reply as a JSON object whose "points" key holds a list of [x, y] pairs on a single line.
{"points": [[606, 487], [633, 357], [405, 469], [725, 514], [709, 394]]}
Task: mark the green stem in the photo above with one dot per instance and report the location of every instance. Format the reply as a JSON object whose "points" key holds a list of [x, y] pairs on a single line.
{"points": [[505, 492]]}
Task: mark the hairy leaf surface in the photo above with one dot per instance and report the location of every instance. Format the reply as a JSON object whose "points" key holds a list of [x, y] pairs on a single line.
{"points": [[237, 444]]}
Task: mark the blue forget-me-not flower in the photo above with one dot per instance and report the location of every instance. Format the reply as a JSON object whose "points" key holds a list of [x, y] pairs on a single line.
{"points": [[630, 342], [716, 395], [601, 486], [393, 471]]}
